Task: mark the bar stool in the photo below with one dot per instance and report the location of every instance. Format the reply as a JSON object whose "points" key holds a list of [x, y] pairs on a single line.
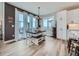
{"points": [[77, 51], [29, 39]]}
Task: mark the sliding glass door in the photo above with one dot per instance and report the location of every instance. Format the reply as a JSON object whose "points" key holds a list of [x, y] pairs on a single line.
{"points": [[31, 22], [34, 23], [24, 22], [19, 25]]}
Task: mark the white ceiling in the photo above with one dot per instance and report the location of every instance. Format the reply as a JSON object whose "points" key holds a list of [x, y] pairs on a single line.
{"points": [[45, 7]]}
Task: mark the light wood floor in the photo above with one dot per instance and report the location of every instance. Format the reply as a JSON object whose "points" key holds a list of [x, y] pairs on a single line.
{"points": [[50, 47]]}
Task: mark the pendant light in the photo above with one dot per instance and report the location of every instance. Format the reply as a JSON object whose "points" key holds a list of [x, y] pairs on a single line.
{"points": [[38, 17]]}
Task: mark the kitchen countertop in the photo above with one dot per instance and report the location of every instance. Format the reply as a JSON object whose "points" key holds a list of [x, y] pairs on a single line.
{"points": [[74, 34]]}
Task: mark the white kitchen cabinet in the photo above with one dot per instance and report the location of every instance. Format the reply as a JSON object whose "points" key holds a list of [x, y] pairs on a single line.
{"points": [[62, 25]]}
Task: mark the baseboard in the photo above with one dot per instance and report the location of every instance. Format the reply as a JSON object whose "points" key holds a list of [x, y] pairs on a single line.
{"points": [[61, 39], [9, 41]]}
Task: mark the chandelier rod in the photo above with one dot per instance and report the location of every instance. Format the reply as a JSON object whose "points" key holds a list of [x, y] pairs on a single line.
{"points": [[38, 11]]}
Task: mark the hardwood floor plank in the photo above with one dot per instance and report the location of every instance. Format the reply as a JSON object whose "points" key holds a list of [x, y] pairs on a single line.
{"points": [[50, 47]]}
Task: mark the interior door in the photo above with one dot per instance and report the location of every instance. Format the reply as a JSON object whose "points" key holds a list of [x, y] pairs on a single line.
{"points": [[9, 22]]}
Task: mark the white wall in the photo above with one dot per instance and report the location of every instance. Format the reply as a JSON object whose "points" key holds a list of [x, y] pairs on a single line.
{"points": [[72, 16], [62, 24], [16, 25]]}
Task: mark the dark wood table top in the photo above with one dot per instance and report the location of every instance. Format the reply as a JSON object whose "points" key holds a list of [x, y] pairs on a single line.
{"points": [[34, 32]]}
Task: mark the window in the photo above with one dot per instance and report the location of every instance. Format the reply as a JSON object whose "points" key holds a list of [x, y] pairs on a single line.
{"points": [[28, 20], [21, 23], [34, 21], [45, 23]]}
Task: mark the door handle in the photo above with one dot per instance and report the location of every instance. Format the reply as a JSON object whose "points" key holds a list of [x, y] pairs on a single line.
{"points": [[12, 25]]}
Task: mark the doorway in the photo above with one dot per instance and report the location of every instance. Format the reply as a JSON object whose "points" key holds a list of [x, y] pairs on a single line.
{"points": [[49, 23]]}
